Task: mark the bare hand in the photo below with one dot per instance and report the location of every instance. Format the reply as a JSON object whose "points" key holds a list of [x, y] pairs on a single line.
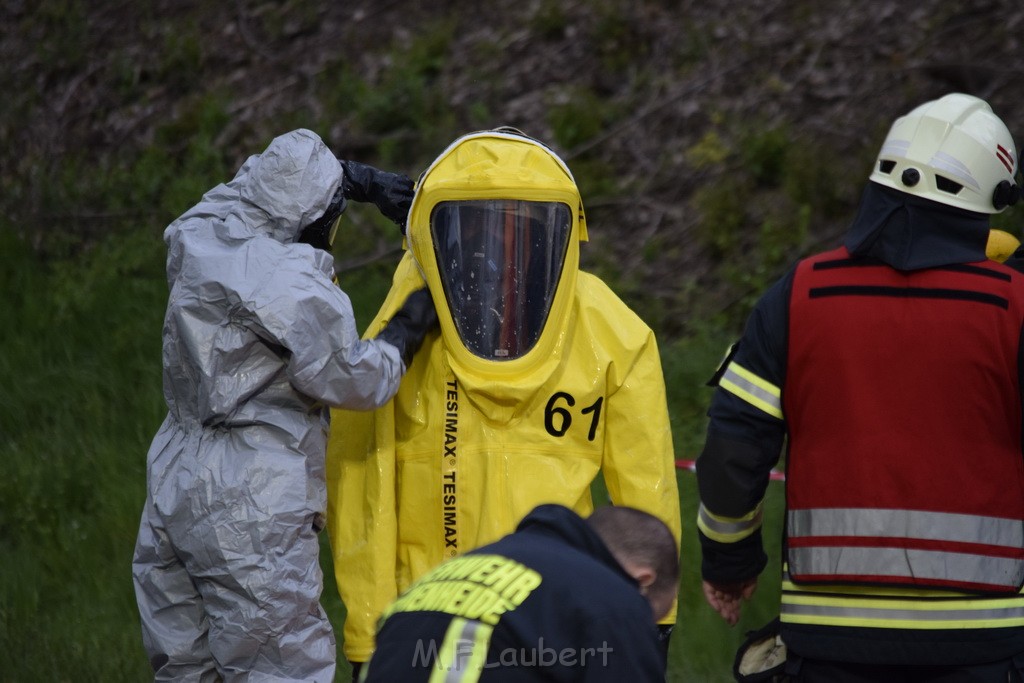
{"points": [[727, 598]]}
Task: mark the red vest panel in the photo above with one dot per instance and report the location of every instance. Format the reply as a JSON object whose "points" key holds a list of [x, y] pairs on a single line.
{"points": [[903, 405]]}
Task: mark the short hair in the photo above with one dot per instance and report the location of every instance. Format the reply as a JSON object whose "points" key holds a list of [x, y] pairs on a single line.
{"points": [[640, 538]]}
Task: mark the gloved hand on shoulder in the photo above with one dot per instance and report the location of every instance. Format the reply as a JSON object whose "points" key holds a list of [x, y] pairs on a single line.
{"points": [[391, 193], [411, 324]]}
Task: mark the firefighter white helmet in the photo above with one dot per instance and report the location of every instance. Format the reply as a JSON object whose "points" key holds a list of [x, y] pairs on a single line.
{"points": [[953, 150]]}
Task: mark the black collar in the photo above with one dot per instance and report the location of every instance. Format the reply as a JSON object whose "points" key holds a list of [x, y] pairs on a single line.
{"points": [[910, 233]]}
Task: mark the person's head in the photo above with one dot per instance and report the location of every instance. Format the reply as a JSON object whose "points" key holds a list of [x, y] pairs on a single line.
{"points": [[645, 548], [294, 183], [954, 151]]}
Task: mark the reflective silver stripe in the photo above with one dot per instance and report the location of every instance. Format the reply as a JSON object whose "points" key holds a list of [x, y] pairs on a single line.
{"points": [[882, 614], [906, 563], [895, 148], [717, 525], [904, 607], [462, 654], [955, 167], [752, 389], [934, 526], [459, 670]]}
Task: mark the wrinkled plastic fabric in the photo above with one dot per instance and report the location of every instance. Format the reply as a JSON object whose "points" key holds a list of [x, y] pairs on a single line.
{"points": [[257, 342], [469, 446]]}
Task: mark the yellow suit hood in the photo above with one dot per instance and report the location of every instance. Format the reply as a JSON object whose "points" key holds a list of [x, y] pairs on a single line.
{"points": [[501, 164]]}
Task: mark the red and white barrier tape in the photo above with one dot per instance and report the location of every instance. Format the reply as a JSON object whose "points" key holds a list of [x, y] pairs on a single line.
{"points": [[692, 466]]}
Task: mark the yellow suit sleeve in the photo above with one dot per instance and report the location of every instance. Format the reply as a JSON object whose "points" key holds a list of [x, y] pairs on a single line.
{"points": [[639, 460], [361, 499]]}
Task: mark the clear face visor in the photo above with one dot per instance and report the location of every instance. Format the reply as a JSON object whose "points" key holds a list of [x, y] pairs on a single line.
{"points": [[500, 263]]}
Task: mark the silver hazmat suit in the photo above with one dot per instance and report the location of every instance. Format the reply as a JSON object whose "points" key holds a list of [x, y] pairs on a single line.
{"points": [[257, 342]]}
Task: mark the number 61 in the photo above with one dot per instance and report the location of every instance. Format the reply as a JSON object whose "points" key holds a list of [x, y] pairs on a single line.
{"points": [[551, 410]]}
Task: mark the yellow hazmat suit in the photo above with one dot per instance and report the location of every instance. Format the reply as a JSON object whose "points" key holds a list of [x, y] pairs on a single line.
{"points": [[539, 378]]}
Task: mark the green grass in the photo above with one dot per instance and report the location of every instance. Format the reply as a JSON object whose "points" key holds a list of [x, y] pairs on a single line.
{"points": [[703, 645], [81, 399]]}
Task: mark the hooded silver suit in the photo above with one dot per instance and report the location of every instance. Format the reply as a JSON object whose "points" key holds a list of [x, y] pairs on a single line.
{"points": [[257, 342]]}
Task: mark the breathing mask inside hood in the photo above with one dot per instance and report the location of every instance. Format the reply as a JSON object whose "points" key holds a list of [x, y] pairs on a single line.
{"points": [[910, 233], [321, 232]]}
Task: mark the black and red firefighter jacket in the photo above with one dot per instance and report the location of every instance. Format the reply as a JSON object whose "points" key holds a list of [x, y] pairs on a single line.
{"points": [[891, 367]]}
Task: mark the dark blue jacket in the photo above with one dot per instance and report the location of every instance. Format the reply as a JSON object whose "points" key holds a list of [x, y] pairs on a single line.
{"points": [[548, 602]]}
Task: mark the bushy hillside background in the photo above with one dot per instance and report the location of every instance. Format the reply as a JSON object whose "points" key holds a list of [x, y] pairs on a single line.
{"points": [[714, 142]]}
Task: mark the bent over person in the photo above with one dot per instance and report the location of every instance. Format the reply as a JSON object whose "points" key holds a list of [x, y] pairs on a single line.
{"points": [[540, 379], [258, 341], [560, 599], [894, 366]]}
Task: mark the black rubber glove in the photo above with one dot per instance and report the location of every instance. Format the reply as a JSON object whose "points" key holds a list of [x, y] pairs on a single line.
{"points": [[410, 324], [390, 192]]}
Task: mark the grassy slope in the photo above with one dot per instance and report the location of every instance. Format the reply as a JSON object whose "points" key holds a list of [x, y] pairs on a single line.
{"points": [[80, 401]]}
